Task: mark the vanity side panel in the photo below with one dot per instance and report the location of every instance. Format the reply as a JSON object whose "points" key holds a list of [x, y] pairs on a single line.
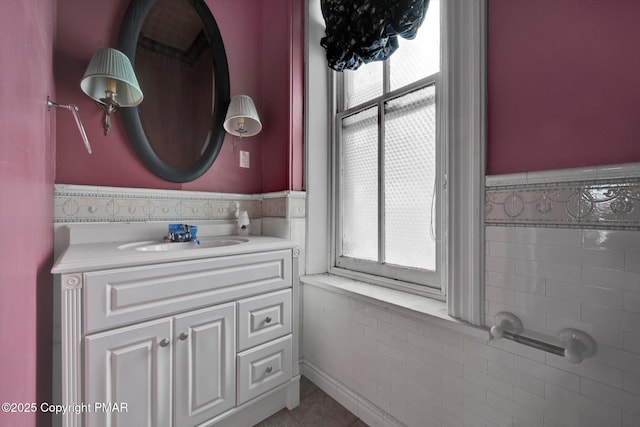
{"points": [[68, 352]]}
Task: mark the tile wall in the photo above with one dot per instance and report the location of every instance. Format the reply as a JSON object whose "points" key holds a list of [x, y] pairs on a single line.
{"points": [[587, 279], [83, 203], [280, 214], [393, 369], [284, 215]]}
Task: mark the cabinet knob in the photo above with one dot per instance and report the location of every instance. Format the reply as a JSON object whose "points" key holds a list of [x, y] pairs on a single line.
{"points": [[269, 369], [183, 336], [165, 342], [267, 319]]}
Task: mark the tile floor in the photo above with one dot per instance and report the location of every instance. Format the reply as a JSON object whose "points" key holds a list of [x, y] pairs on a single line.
{"points": [[317, 409]]}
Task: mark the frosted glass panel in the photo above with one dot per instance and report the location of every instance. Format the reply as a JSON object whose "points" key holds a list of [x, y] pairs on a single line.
{"points": [[410, 170], [363, 84], [359, 185], [420, 57]]}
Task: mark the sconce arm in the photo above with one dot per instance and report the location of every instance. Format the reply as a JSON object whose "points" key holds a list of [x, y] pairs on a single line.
{"points": [[76, 115]]}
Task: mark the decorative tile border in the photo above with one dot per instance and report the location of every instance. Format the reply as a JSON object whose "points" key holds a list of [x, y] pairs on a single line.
{"points": [[603, 203], [297, 204], [79, 203], [284, 204], [276, 207]]}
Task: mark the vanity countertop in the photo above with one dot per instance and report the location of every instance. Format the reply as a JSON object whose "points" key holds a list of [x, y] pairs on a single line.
{"points": [[82, 257]]}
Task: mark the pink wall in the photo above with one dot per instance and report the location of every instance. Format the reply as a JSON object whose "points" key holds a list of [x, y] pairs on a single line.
{"points": [[26, 185], [563, 92], [564, 84], [285, 94], [251, 41]]}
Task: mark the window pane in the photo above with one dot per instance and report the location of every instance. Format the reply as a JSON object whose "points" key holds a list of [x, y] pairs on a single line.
{"points": [[359, 185], [420, 57], [410, 171], [363, 84]]}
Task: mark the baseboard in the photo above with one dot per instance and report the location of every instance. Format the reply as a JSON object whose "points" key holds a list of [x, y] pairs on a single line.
{"points": [[361, 407]]}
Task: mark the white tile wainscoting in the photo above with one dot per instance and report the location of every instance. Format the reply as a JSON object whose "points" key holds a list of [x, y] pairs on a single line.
{"points": [[391, 369], [555, 266]]}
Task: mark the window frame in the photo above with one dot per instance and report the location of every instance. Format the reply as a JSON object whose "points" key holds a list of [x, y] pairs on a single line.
{"points": [[398, 277], [463, 97]]}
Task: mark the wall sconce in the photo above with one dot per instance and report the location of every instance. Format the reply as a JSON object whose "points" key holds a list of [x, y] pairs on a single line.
{"points": [[242, 118], [111, 82]]}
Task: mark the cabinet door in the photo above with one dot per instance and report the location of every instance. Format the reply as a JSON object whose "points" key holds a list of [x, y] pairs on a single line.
{"points": [[205, 364], [128, 376]]}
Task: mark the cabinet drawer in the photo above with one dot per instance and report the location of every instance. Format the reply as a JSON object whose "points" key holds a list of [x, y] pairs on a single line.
{"points": [[264, 367], [263, 318], [127, 295]]}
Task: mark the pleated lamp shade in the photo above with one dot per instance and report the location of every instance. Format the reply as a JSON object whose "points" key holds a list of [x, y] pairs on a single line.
{"points": [[110, 69], [242, 117]]}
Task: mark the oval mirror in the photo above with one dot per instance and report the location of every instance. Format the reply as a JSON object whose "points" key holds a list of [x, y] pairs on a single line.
{"points": [[178, 55]]}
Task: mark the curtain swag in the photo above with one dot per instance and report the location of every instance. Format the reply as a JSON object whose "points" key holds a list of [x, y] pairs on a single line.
{"points": [[361, 31]]}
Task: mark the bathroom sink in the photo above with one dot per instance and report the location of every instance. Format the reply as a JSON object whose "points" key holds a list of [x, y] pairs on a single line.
{"points": [[151, 246]]}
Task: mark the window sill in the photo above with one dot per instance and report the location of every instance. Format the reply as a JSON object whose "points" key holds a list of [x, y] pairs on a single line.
{"points": [[417, 306]]}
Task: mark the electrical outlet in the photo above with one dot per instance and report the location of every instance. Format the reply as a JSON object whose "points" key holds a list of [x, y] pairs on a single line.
{"points": [[244, 159]]}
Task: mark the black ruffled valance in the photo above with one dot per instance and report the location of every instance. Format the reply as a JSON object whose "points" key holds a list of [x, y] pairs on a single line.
{"points": [[361, 31]]}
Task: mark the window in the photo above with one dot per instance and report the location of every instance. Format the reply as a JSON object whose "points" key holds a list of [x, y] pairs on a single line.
{"points": [[389, 158], [460, 95]]}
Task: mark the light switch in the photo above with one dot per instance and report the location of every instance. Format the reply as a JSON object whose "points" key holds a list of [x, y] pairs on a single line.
{"points": [[244, 159]]}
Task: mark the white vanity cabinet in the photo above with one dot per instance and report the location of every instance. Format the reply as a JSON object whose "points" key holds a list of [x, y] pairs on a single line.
{"points": [[181, 343]]}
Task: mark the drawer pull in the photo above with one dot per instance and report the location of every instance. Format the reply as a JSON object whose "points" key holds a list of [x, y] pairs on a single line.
{"points": [[267, 319], [183, 336], [165, 342], [269, 369]]}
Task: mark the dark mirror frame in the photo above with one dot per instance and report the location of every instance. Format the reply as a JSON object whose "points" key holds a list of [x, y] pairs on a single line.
{"points": [[127, 42]]}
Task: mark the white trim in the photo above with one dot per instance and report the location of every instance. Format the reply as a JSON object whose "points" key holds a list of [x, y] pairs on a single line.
{"points": [[594, 173], [411, 288], [419, 307], [465, 71], [467, 105], [150, 192], [283, 194], [367, 411], [317, 149]]}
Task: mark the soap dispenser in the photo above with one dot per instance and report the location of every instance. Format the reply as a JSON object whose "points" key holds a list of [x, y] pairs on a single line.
{"points": [[243, 224]]}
